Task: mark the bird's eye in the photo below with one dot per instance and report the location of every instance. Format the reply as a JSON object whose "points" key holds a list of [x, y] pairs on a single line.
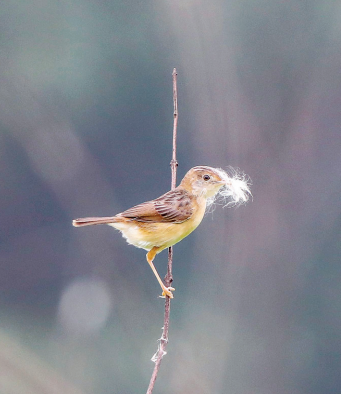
{"points": [[206, 177]]}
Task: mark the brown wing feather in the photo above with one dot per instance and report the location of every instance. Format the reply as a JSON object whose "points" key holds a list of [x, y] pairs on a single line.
{"points": [[174, 207]]}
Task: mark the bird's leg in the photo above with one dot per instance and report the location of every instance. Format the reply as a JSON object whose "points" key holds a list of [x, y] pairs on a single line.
{"points": [[167, 291]]}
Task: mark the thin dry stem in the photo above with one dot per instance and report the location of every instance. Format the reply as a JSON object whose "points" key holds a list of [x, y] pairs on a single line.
{"points": [[168, 278]]}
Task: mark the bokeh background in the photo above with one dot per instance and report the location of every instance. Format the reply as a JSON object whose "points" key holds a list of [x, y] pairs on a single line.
{"points": [[86, 129]]}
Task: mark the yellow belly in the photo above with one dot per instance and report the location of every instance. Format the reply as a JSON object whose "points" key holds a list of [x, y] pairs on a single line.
{"points": [[162, 235]]}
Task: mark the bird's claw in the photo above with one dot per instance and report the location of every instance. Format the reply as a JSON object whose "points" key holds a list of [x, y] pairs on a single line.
{"points": [[167, 292]]}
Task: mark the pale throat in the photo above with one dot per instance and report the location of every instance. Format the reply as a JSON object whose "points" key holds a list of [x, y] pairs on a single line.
{"points": [[205, 192]]}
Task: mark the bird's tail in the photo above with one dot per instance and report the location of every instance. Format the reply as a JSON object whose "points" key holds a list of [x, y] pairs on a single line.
{"points": [[89, 221]]}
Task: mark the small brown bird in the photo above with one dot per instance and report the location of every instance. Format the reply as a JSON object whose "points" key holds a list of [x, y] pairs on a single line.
{"points": [[155, 225]]}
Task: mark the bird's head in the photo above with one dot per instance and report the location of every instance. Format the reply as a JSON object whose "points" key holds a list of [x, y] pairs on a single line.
{"points": [[204, 181]]}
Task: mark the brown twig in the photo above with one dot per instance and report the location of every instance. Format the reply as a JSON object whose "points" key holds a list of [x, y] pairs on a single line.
{"points": [[157, 358]]}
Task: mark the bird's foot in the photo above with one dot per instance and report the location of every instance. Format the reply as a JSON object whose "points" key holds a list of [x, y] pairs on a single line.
{"points": [[167, 291]]}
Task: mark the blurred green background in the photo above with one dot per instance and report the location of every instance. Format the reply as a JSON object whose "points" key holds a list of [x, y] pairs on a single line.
{"points": [[86, 129]]}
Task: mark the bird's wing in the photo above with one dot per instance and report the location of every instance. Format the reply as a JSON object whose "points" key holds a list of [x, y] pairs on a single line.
{"points": [[172, 207]]}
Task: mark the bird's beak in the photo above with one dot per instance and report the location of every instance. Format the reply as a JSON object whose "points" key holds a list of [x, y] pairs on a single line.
{"points": [[226, 182]]}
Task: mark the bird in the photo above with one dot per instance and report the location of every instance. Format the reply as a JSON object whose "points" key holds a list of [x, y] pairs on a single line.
{"points": [[160, 223]]}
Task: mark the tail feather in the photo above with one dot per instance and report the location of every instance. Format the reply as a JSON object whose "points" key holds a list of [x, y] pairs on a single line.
{"points": [[89, 221]]}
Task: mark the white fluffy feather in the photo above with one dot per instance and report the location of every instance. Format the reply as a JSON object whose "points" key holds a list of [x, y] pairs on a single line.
{"points": [[236, 191]]}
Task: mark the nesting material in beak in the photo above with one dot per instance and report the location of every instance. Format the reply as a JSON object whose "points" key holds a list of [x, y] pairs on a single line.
{"points": [[236, 188]]}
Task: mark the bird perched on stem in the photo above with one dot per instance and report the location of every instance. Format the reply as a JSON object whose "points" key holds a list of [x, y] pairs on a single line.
{"points": [[157, 224]]}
